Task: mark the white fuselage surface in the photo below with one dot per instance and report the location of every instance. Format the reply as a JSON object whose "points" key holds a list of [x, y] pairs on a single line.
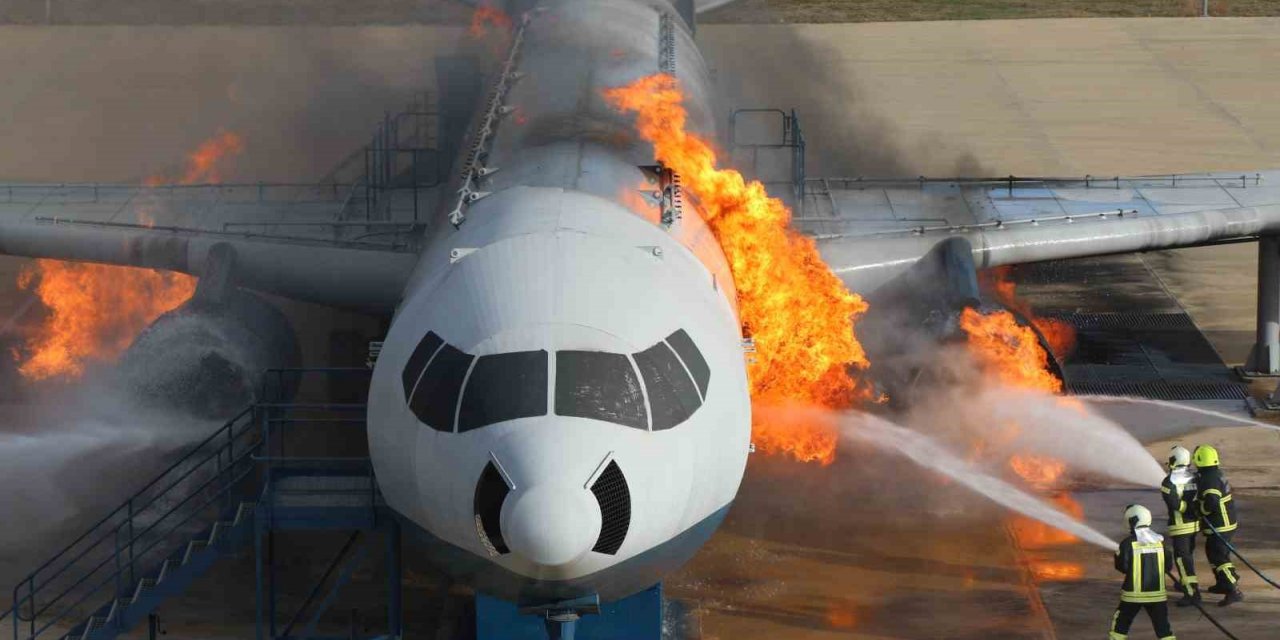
{"points": [[561, 402]]}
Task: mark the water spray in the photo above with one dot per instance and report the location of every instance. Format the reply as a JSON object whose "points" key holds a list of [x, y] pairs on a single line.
{"points": [[880, 433], [1218, 416]]}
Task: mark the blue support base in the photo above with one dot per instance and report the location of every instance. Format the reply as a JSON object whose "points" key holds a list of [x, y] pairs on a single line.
{"points": [[638, 617]]}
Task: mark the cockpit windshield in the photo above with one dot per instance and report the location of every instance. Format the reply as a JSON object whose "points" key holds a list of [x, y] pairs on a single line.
{"points": [[436, 396], [502, 387], [672, 395], [693, 360], [601, 386], [655, 389]]}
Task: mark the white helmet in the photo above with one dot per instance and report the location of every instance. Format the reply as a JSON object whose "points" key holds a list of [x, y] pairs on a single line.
{"points": [[1137, 515], [1179, 457]]}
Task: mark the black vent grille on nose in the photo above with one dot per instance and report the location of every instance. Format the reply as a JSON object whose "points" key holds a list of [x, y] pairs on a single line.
{"points": [[615, 509], [491, 491]]}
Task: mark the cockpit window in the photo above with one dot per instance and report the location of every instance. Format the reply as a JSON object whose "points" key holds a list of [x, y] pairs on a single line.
{"points": [[502, 387], [672, 394], [436, 396], [421, 356], [693, 360], [601, 386], [657, 388]]}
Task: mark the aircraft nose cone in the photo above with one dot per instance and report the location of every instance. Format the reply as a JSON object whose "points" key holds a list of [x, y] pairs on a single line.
{"points": [[552, 525]]}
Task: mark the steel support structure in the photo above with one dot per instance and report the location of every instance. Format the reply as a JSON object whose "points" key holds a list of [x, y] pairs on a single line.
{"points": [[344, 563], [636, 617], [1264, 358]]}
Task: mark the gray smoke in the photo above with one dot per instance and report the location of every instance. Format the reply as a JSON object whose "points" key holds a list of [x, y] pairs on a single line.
{"points": [[957, 401], [1009, 421], [118, 103], [786, 66]]}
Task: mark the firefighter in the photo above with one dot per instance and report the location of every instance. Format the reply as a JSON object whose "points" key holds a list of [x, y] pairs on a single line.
{"points": [[1217, 508], [1142, 558], [1179, 492]]}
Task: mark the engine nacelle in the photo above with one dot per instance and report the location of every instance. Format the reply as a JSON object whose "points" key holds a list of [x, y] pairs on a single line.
{"points": [[207, 358], [914, 315]]}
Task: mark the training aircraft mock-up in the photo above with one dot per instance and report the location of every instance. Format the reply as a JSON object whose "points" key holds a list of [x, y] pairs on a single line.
{"points": [[559, 412]]}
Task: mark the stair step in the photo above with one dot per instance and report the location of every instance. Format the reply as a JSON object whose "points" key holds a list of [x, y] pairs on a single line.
{"points": [[95, 623], [117, 608], [143, 585], [164, 571], [244, 511], [193, 547], [214, 531]]}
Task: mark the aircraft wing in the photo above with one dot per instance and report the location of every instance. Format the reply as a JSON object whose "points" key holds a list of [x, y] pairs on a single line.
{"points": [[871, 230], [341, 245]]}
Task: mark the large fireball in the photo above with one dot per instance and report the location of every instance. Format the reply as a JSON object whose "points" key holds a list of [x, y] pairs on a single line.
{"points": [[96, 310], [796, 310]]}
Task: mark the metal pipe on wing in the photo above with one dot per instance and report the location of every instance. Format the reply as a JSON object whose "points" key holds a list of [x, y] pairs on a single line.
{"points": [[867, 263], [334, 275]]}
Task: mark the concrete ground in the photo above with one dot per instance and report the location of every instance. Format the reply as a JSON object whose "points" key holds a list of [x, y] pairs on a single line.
{"points": [[861, 549], [1054, 97]]}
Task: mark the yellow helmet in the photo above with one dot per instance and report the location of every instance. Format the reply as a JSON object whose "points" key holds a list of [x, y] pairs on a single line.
{"points": [[1179, 457], [1205, 456], [1137, 515]]}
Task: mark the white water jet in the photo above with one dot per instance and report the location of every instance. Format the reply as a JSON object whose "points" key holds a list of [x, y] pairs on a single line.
{"points": [[1069, 430], [1171, 415], [75, 458], [880, 433]]}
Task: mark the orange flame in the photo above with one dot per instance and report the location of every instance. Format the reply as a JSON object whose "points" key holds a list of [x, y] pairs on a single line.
{"points": [[1060, 335], [1013, 352], [206, 163], [1033, 534], [1041, 472], [1009, 350], [841, 616], [486, 16], [1030, 534], [1056, 571], [795, 309], [95, 311]]}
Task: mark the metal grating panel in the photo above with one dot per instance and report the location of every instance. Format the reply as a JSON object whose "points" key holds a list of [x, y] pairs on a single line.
{"points": [[1162, 390], [615, 509], [1131, 320]]}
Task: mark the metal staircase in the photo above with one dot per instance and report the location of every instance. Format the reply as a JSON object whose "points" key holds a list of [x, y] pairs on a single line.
{"points": [[148, 548], [216, 497], [174, 575]]}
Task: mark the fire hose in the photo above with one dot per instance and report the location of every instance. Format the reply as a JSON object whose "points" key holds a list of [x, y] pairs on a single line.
{"points": [[1199, 606], [1243, 559]]}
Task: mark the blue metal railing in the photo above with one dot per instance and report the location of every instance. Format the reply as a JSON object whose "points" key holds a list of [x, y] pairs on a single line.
{"points": [[203, 485], [139, 534]]}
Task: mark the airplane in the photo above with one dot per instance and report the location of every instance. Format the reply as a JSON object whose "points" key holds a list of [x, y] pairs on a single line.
{"points": [[560, 410]]}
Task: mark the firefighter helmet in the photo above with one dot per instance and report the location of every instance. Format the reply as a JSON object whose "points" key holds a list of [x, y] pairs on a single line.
{"points": [[1137, 515], [1205, 456], [1179, 457]]}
